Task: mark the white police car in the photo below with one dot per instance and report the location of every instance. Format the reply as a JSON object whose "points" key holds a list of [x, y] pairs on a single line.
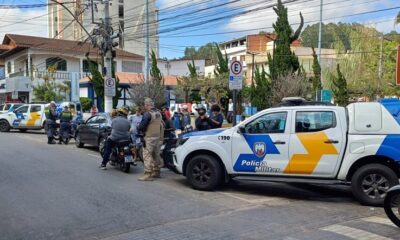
{"points": [[357, 145]]}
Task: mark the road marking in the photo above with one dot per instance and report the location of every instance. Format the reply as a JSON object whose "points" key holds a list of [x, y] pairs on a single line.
{"points": [[254, 199], [354, 233], [379, 220]]}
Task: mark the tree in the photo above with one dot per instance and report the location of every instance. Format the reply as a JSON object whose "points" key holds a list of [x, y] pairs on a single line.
{"points": [[65, 88], [261, 90], [207, 52], [98, 83], [339, 88], [187, 84], [86, 103], [316, 79], [284, 60], [46, 92], [289, 85], [397, 21]]}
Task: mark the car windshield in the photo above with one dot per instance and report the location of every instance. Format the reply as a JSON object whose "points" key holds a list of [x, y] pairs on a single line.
{"points": [[7, 107]]}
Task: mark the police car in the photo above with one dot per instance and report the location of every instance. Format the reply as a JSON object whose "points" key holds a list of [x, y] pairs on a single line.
{"points": [[302, 142], [27, 116]]}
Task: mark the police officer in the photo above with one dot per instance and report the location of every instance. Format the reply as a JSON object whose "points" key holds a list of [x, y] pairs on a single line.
{"points": [[65, 125], [202, 121], [51, 117], [152, 127]]}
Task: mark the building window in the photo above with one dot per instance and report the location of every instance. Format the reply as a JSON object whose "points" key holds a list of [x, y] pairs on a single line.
{"points": [[121, 11], [234, 59], [243, 58], [55, 19], [122, 25], [61, 64], [133, 67], [56, 33], [86, 65], [9, 67], [234, 44], [242, 42], [121, 1]]}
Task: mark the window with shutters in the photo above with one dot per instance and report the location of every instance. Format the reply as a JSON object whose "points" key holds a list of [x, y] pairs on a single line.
{"points": [[133, 67]]}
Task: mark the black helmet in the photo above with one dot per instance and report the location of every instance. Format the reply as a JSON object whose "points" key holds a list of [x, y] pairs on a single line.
{"points": [[201, 106]]}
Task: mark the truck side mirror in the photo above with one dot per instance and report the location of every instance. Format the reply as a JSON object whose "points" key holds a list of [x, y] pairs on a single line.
{"points": [[241, 130]]}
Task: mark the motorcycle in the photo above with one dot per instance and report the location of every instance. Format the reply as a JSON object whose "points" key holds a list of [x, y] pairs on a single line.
{"points": [[392, 204], [166, 152], [121, 156]]}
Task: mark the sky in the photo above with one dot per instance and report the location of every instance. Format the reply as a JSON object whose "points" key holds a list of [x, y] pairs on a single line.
{"points": [[185, 23]]}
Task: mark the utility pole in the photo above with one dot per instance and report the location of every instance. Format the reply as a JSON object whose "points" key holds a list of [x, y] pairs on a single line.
{"points": [[320, 32], [147, 52], [380, 71], [107, 50]]}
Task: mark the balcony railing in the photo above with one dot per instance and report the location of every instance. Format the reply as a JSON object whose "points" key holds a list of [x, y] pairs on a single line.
{"points": [[51, 75], [17, 74]]}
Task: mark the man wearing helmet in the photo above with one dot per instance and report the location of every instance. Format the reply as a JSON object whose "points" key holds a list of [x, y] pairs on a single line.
{"points": [[152, 127], [202, 121], [120, 127]]}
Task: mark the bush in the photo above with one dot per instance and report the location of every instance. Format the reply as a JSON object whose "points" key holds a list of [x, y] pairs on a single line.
{"points": [[86, 103]]}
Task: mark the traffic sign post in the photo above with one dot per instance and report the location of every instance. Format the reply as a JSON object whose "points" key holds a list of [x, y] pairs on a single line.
{"points": [[235, 83], [109, 87]]}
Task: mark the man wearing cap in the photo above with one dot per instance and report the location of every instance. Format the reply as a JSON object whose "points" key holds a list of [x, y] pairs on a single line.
{"points": [[65, 125], [51, 117], [152, 127]]}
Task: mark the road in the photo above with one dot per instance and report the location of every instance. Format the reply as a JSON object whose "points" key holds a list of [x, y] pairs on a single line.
{"points": [[58, 192]]}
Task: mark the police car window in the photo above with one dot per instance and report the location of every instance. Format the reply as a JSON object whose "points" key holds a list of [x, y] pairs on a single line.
{"points": [[315, 121], [2, 107], [269, 123], [8, 106], [23, 109], [36, 108]]}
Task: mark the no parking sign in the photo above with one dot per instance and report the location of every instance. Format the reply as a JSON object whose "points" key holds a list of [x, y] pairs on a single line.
{"points": [[236, 75]]}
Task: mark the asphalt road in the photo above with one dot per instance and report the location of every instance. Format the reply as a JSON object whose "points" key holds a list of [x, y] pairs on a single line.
{"points": [[58, 192]]}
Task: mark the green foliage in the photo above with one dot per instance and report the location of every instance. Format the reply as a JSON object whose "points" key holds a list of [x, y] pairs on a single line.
{"points": [[97, 80], [261, 90], [186, 85], [222, 68], [207, 52], [155, 72], [86, 103], [46, 92], [118, 94], [339, 88], [284, 60], [316, 79]]}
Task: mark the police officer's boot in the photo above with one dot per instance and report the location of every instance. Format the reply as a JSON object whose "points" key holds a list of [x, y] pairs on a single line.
{"points": [[146, 177], [50, 140], [156, 174]]}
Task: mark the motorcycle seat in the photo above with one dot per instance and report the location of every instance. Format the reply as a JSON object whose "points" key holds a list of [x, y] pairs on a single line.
{"points": [[123, 143]]}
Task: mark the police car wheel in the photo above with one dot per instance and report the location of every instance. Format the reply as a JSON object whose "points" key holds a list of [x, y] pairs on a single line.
{"points": [[204, 172], [371, 182], [4, 126]]}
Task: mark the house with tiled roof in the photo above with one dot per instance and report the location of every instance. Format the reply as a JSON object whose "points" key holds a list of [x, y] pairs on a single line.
{"points": [[26, 60]]}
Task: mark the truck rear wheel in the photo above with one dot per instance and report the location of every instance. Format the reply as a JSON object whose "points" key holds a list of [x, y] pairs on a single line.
{"points": [[203, 172], [4, 126], [371, 182]]}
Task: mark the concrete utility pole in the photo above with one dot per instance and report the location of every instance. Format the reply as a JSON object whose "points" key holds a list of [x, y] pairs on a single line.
{"points": [[107, 49], [147, 52], [320, 32]]}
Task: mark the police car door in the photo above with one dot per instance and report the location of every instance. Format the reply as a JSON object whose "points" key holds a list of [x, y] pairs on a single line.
{"points": [[316, 142], [21, 114], [261, 146]]}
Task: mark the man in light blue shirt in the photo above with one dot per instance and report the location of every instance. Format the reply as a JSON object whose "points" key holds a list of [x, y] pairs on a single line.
{"points": [[135, 120]]}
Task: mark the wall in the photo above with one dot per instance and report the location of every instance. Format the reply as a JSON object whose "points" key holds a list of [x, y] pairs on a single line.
{"points": [[180, 68]]}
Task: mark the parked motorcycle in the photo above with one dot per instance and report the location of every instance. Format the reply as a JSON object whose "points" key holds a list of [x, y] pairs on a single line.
{"points": [[121, 155], [392, 204], [166, 153]]}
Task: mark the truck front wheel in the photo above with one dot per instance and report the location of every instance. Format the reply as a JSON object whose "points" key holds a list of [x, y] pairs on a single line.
{"points": [[371, 182], [204, 172]]}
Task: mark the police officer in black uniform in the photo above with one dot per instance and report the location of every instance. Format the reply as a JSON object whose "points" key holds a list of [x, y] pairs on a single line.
{"points": [[51, 117], [65, 125]]}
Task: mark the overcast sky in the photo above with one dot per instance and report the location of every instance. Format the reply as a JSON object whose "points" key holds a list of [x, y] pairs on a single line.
{"points": [[233, 25]]}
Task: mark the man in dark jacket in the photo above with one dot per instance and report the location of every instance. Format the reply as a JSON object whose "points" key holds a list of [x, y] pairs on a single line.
{"points": [[202, 121], [51, 117]]}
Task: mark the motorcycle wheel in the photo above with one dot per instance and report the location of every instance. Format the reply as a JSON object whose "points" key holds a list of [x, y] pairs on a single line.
{"points": [[392, 206], [125, 167]]}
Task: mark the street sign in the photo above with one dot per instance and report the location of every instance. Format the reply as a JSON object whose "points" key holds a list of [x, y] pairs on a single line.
{"points": [[236, 75], [398, 66], [109, 87]]}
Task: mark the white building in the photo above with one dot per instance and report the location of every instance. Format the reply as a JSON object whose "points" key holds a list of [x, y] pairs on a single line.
{"points": [[27, 60], [127, 17], [180, 67]]}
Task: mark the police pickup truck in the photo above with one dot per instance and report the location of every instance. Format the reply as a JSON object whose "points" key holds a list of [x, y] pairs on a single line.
{"points": [[32, 117], [300, 142]]}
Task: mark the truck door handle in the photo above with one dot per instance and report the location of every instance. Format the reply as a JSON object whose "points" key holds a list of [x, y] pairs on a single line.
{"points": [[279, 142], [330, 141]]}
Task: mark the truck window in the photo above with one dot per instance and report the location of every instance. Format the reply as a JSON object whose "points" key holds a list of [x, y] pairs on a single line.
{"points": [[35, 108], [268, 123], [23, 109], [314, 121]]}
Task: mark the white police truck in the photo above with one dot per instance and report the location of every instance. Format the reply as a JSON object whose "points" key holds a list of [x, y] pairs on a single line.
{"points": [[300, 142]]}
